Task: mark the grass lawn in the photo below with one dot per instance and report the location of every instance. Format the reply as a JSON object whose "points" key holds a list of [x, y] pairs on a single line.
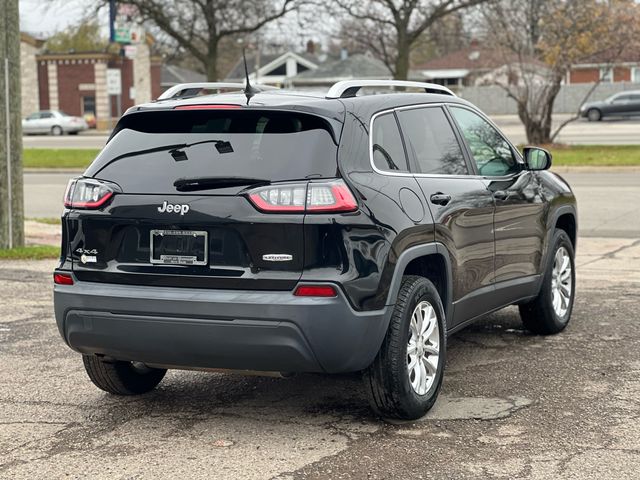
{"points": [[563, 155], [47, 220], [59, 157], [31, 252], [595, 155]]}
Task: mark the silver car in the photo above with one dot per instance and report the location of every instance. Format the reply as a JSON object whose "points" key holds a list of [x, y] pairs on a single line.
{"points": [[54, 122]]}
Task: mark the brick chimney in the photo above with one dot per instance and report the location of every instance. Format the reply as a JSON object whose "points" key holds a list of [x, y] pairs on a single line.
{"points": [[311, 47]]}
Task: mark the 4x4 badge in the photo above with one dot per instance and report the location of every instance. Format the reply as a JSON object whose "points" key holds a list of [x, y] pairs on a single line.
{"points": [[277, 257]]}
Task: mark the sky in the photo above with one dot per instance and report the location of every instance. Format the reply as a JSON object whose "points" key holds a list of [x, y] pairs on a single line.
{"points": [[44, 17]]}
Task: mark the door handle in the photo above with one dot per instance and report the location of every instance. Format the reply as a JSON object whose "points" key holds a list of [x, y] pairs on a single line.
{"points": [[440, 198], [500, 194]]}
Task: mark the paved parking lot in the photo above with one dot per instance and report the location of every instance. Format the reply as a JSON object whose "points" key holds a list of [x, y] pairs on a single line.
{"points": [[513, 405]]}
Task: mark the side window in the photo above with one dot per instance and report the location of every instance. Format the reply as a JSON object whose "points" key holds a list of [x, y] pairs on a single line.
{"points": [[491, 152], [431, 141], [388, 152]]}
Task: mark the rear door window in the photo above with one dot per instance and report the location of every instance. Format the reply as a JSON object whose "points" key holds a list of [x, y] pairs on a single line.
{"points": [[431, 141], [149, 151], [387, 148]]}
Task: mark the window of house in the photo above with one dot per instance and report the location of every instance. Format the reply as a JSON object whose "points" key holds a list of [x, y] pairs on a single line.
{"points": [[388, 151], [430, 140], [635, 75], [281, 70], [606, 75], [89, 105]]}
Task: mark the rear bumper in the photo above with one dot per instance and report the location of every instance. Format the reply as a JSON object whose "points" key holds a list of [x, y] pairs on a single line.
{"points": [[197, 328]]}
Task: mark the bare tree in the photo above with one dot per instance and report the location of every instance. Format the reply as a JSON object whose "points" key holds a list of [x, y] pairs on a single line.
{"points": [[391, 28], [200, 26], [540, 40]]}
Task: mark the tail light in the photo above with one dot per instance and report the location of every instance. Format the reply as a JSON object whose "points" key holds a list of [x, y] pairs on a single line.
{"points": [[87, 193], [320, 197]]}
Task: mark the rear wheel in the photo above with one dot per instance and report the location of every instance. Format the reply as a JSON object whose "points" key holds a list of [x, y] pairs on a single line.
{"points": [[594, 115], [122, 378], [551, 310], [405, 378], [56, 130]]}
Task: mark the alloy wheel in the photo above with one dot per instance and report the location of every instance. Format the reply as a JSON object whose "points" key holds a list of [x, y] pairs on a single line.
{"points": [[423, 348], [561, 282]]}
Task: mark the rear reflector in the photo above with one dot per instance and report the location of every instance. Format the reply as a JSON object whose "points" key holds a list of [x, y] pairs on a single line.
{"points": [[62, 279], [315, 291], [208, 107]]}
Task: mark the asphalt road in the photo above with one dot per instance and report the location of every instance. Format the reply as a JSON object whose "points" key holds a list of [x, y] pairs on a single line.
{"points": [[513, 405], [608, 201], [607, 132]]}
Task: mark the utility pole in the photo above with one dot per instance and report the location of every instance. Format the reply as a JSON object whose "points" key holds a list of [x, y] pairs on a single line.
{"points": [[11, 194]]}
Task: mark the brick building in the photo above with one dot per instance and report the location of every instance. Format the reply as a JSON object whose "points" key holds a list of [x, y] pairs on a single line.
{"points": [[477, 65], [76, 83]]}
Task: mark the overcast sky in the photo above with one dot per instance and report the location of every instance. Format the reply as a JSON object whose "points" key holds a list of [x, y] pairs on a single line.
{"points": [[46, 17]]}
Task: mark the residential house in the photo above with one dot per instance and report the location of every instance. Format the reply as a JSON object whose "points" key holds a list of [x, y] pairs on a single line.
{"points": [[273, 69]]}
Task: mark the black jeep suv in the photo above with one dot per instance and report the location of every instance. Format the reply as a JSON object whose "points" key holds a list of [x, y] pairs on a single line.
{"points": [[301, 233]]}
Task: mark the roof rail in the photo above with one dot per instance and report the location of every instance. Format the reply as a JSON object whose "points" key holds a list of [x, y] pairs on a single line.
{"points": [[192, 89], [349, 88]]}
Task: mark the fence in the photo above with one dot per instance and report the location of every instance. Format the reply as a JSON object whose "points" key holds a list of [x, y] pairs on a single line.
{"points": [[494, 101]]}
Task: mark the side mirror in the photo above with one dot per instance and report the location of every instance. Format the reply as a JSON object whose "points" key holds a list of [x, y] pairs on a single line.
{"points": [[537, 158]]}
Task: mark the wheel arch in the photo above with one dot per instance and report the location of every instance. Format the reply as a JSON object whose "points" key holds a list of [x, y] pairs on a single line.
{"points": [[430, 261]]}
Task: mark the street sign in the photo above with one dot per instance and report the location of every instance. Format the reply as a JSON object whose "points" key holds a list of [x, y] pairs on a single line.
{"points": [[126, 25], [114, 82]]}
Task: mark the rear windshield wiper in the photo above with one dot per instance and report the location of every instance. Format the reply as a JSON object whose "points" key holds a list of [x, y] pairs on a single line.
{"points": [[206, 183], [175, 150]]}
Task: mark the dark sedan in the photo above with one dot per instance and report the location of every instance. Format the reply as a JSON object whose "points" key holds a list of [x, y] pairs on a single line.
{"points": [[623, 104]]}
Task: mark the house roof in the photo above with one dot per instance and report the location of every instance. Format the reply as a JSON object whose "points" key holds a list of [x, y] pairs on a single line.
{"points": [[631, 54], [354, 66], [469, 58], [237, 71], [173, 75]]}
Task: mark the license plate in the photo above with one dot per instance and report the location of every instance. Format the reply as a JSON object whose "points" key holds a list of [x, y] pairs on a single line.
{"points": [[179, 247]]}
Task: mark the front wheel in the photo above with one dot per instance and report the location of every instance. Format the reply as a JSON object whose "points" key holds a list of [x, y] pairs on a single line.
{"points": [[594, 115], [122, 378], [550, 311], [405, 378], [56, 130]]}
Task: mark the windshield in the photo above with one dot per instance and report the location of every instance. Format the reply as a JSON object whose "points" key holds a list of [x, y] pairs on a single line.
{"points": [[149, 153]]}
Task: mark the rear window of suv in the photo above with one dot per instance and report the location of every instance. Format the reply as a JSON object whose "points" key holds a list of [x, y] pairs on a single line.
{"points": [[149, 151]]}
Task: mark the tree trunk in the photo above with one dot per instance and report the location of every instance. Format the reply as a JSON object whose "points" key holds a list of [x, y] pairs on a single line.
{"points": [[11, 200], [211, 67], [402, 60], [538, 126]]}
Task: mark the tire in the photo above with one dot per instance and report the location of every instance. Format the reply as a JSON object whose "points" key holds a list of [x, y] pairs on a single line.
{"points": [[388, 380], [594, 115], [56, 130], [121, 378], [539, 315]]}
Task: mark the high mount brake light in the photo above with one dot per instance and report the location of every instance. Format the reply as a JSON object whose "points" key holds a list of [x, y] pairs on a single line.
{"points": [[208, 107], [87, 193], [317, 197]]}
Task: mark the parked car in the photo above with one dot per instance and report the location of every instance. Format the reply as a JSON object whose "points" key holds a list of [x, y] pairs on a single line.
{"points": [[300, 233], [54, 122], [623, 104]]}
